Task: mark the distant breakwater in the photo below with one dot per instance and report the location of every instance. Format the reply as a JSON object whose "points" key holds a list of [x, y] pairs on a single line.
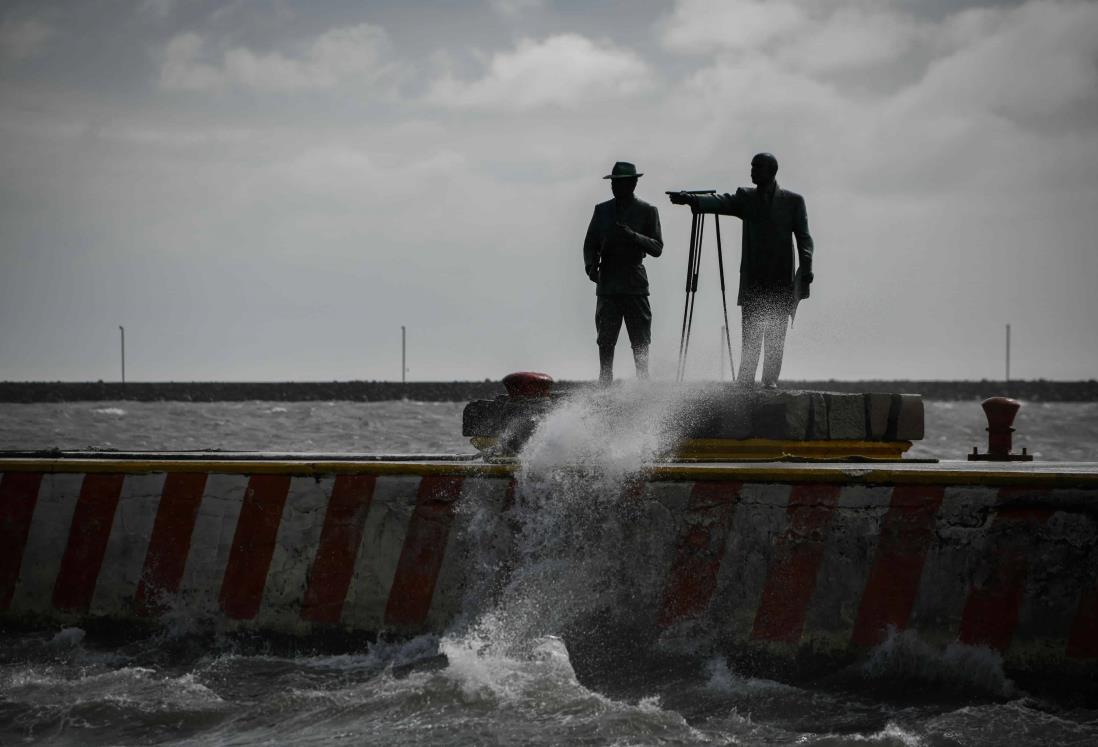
{"points": [[1037, 390]]}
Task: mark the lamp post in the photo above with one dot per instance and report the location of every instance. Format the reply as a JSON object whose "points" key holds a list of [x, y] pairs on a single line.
{"points": [[122, 332], [403, 356]]}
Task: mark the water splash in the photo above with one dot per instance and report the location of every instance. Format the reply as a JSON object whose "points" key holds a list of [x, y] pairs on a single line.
{"points": [[572, 562], [905, 656]]}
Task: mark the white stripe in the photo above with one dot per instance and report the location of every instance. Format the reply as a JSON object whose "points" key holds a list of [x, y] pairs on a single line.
{"points": [[958, 546], [760, 518], [294, 552], [650, 529], [124, 558], [379, 553], [473, 542], [46, 542], [211, 542], [850, 544]]}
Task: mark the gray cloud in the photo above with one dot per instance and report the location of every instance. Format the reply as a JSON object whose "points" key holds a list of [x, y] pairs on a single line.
{"points": [[20, 40], [562, 70], [356, 54], [271, 192]]}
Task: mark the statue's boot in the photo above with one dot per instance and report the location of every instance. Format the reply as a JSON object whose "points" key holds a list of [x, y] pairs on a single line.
{"points": [[606, 364], [640, 357]]}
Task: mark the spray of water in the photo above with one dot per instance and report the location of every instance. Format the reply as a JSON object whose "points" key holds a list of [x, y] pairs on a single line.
{"points": [[578, 532]]}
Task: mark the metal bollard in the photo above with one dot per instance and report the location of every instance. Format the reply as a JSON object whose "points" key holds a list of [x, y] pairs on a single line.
{"points": [[528, 384], [1000, 412]]}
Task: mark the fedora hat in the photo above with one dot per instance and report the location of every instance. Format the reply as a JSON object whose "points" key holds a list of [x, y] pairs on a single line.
{"points": [[623, 170]]}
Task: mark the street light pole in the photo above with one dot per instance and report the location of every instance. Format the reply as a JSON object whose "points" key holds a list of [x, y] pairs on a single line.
{"points": [[122, 331], [403, 355]]}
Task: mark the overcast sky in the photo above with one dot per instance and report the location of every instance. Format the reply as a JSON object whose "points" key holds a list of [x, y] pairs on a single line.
{"points": [[269, 190]]}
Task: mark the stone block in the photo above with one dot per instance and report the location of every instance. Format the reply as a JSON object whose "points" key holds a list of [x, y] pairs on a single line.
{"points": [[481, 417], [877, 408], [909, 417], [846, 416], [733, 415], [781, 416], [818, 428]]}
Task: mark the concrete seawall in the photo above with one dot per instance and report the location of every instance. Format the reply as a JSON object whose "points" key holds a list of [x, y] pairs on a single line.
{"points": [[784, 561]]}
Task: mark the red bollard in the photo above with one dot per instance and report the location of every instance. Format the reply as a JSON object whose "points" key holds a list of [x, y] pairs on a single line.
{"points": [[1000, 412], [528, 384]]}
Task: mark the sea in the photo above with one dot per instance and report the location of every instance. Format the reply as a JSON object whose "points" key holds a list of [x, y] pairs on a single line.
{"points": [[540, 655]]}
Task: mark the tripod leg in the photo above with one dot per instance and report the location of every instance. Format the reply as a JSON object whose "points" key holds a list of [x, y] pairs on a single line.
{"points": [[693, 292], [686, 308], [724, 297]]}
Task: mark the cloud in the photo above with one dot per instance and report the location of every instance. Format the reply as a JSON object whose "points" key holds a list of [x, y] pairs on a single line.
{"points": [[705, 26], [565, 70], [355, 53], [157, 9], [514, 7], [821, 38], [21, 40]]}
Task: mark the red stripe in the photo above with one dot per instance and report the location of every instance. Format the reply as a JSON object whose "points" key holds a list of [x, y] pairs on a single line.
{"points": [[170, 540], [1083, 640], [88, 535], [792, 576], [509, 496], [253, 545], [18, 496], [991, 612], [421, 557], [699, 551], [906, 532], [338, 548]]}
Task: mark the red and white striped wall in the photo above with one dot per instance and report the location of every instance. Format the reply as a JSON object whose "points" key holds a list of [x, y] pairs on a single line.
{"points": [[821, 564]]}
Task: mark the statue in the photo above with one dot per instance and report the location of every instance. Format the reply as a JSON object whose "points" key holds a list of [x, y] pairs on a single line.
{"points": [[769, 289], [622, 232]]}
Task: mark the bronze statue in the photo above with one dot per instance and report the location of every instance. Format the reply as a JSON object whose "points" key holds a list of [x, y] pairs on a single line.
{"points": [[622, 231], [769, 288]]}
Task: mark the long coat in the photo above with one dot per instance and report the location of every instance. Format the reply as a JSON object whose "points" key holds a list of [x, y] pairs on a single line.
{"points": [[766, 258], [619, 255]]}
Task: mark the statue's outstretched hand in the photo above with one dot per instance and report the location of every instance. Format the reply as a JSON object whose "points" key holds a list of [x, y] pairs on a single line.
{"points": [[681, 198]]}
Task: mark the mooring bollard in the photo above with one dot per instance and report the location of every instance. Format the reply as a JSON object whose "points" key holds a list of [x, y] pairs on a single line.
{"points": [[1000, 413], [528, 384]]}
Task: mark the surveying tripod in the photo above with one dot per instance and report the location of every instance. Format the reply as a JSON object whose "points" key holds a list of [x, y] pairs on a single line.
{"points": [[693, 268]]}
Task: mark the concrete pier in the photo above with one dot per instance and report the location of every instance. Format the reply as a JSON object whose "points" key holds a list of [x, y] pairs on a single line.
{"points": [[787, 562]]}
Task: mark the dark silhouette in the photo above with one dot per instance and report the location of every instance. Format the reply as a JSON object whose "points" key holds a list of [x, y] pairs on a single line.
{"points": [[622, 231], [769, 289]]}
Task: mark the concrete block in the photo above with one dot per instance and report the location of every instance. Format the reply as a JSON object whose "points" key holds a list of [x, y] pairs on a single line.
{"points": [[818, 427], [909, 418], [481, 417], [781, 415], [721, 414], [846, 416], [877, 407]]}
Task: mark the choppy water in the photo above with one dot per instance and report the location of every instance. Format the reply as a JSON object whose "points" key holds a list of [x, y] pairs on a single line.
{"points": [[538, 656]]}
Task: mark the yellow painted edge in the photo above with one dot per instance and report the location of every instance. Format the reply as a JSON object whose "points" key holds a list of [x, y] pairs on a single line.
{"points": [[256, 467], [847, 473], [723, 449]]}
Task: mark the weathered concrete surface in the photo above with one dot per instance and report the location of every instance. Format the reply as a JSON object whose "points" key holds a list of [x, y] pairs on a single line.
{"points": [[796, 563], [728, 412]]}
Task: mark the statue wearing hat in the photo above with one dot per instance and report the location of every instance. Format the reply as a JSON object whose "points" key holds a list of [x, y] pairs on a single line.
{"points": [[622, 232]]}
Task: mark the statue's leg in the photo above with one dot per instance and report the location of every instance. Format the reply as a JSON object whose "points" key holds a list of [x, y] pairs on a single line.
{"points": [[638, 323], [608, 318], [606, 364], [776, 326], [752, 321]]}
